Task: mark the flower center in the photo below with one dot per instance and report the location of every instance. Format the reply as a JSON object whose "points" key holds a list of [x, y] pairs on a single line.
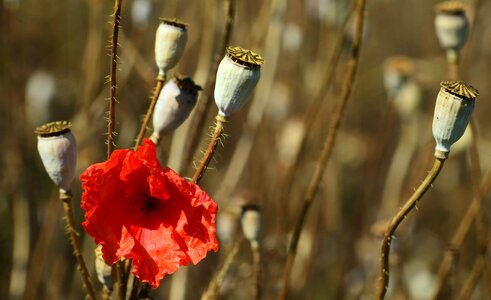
{"points": [[149, 204]]}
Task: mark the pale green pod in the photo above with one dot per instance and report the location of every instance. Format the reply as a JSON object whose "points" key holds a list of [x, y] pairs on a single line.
{"points": [[58, 150], [451, 25], [453, 110], [170, 40], [237, 76], [176, 101], [397, 70], [105, 272], [251, 222]]}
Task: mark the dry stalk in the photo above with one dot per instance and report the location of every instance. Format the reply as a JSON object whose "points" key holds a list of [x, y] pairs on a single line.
{"points": [[151, 107], [328, 145], [461, 232], [213, 289], [203, 106], [66, 198], [397, 220]]}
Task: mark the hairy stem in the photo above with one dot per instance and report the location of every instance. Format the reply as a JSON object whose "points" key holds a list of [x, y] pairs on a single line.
{"points": [[210, 151], [328, 146], [66, 198], [112, 76], [151, 107], [397, 220]]}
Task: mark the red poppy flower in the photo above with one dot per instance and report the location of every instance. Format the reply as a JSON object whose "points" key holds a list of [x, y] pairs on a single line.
{"points": [[139, 211]]}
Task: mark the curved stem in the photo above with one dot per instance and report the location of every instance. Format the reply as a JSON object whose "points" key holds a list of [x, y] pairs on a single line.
{"points": [[328, 146], [151, 107], [66, 198], [397, 220], [210, 151], [112, 76]]}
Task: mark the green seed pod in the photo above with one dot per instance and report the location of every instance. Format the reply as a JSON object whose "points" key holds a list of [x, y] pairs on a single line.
{"points": [[251, 222], [170, 41]]}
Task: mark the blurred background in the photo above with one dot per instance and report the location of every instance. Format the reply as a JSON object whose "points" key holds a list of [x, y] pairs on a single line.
{"points": [[53, 66]]}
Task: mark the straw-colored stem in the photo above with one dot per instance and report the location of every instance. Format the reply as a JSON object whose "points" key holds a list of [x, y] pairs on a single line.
{"points": [[106, 293], [66, 198], [461, 232], [151, 107], [256, 260], [210, 151], [112, 77], [473, 279], [203, 106], [327, 148], [213, 288], [397, 220]]}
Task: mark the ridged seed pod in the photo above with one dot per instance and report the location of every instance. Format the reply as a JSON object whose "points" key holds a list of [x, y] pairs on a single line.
{"points": [[237, 75], [58, 151], [451, 25], [251, 222], [453, 109], [170, 41], [176, 101]]}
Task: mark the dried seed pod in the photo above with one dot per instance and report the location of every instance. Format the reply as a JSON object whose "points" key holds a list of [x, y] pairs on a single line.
{"points": [[453, 109], [251, 222], [451, 26], [237, 75], [104, 272], [170, 41], [176, 101], [397, 70], [58, 151]]}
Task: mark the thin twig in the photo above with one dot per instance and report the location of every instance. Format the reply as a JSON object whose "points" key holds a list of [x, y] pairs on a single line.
{"points": [[328, 146], [66, 198], [475, 275], [203, 106], [397, 220], [210, 151], [114, 65], [151, 107]]}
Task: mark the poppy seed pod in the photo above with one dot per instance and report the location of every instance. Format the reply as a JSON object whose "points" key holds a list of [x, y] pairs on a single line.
{"points": [[170, 41], [251, 222], [58, 151], [397, 69], [453, 109], [176, 101], [237, 75], [451, 26]]}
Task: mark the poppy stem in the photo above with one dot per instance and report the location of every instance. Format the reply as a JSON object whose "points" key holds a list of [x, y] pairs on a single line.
{"points": [[210, 151], [66, 198], [397, 220], [112, 77], [158, 88], [256, 258]]}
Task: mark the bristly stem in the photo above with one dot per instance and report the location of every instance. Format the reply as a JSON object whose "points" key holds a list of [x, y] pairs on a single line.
{"points": [[114, 65], [112, 110], [66, 198], [397, 220], [210, 151], [328, 145], [151, 107], [203, 105]]}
